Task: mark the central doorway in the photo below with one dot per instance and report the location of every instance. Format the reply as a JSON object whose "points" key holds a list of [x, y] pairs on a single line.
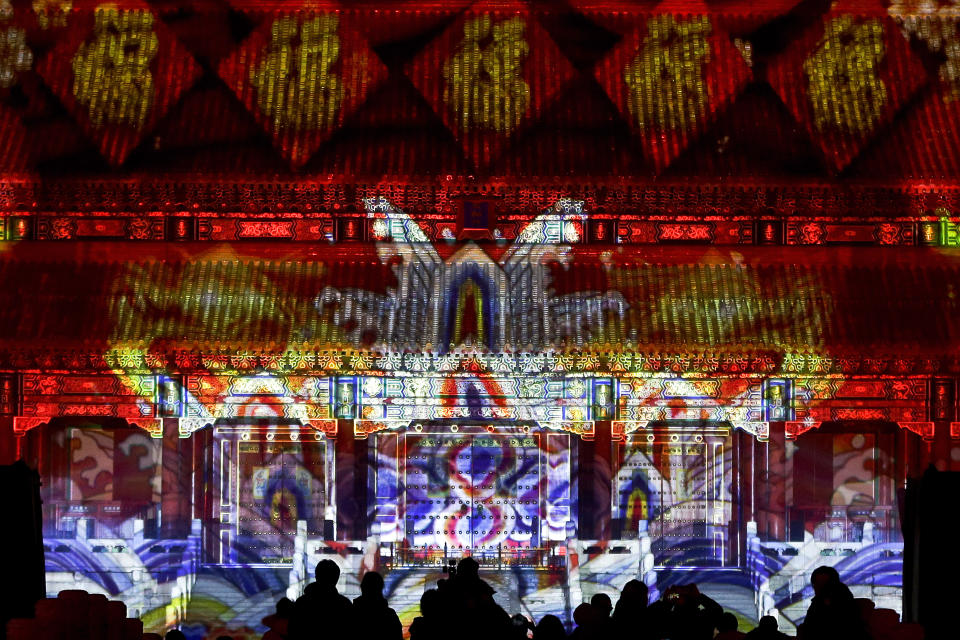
{"points": [[278, 486], [477, 492], [674, 485], [273, 485]]}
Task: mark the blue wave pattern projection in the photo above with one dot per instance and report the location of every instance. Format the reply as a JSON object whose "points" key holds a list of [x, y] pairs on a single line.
{"points": [[470, 489]]}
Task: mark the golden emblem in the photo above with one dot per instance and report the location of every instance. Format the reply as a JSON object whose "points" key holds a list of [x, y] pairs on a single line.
{"points": [[295, 83], [665, 80], [15, 55], [843, 86], [484, 82], [111, 72], [52, 13]]}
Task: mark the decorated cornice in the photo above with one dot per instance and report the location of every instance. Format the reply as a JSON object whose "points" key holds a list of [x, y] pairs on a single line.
{"points": [[720, 361], [619, 214]]}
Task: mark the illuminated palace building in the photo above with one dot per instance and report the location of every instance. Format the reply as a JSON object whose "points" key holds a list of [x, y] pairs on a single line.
{"points": [[589, 293]]}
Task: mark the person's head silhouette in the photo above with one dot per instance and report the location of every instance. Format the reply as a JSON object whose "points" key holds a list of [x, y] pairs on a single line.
{"points": [[430, 603], [584, 615], [549, 628], [327, 573], [372, 585], [284, 607], [727, 622], [175, 634], [767, 623], [468, 568], [824, 578], [635, 592], [601, 602]]}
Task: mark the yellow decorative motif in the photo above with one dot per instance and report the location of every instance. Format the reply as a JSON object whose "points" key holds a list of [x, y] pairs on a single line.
{"points": [[936, 24], [844, 89], [665, 80], [111, 72], [295, 83], [15, 56], [52, 13], [484, 85]]}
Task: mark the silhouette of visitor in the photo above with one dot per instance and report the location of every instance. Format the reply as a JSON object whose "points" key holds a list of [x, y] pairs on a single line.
{"points": [[278, 623], [321, 611], [630, 619], [603, 607], [549, 628], [683, 613], [175, 634], [429, 624], [585, 616], [374, 617], [519, 627], [727, 628], [468, 601], [767, 629], [833, 613]]}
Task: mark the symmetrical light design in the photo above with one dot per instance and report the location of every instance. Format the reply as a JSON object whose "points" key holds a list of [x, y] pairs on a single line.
{"points": [[15, 55], [665, 80], [295, 83], [485, 84], [490, 73], [669, 77], [845, 91]]}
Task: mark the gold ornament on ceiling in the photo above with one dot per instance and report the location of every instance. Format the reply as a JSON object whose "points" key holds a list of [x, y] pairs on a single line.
{"points": [[845, 90], [936, 24], [665, 81], [15, 55], [52, 13], [484, 81], [111, 71], [295, 82]]}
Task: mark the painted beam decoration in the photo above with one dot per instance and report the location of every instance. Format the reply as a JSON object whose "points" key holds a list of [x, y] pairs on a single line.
{"points": [[118, 70], [301, 74], [491, 72]]}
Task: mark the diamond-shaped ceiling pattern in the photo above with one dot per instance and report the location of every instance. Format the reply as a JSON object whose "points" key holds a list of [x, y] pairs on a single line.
{"points": [[118, 70], [301, 74], [490, 73], [845, 78], [523, 90]]}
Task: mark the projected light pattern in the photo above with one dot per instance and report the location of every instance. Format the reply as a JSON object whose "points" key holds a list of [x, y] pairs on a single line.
{"points": [[470, 488], [673, 485], [471, 492], [456, 386]]}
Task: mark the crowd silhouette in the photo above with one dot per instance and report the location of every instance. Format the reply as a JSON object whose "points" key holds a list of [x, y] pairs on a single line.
{"points": [[462, 607]]}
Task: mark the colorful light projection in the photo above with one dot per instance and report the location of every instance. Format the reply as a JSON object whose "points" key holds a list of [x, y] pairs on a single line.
{"points": [[378, 344], [275, 484], [674, 486], [472, 488]]}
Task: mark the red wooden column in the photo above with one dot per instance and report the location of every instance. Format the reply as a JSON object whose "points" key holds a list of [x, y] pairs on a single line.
{"points": [[594, 477], [351, 465], [771, 488], [8, 409], [8, 442], [177, 466], [943, 413]]}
